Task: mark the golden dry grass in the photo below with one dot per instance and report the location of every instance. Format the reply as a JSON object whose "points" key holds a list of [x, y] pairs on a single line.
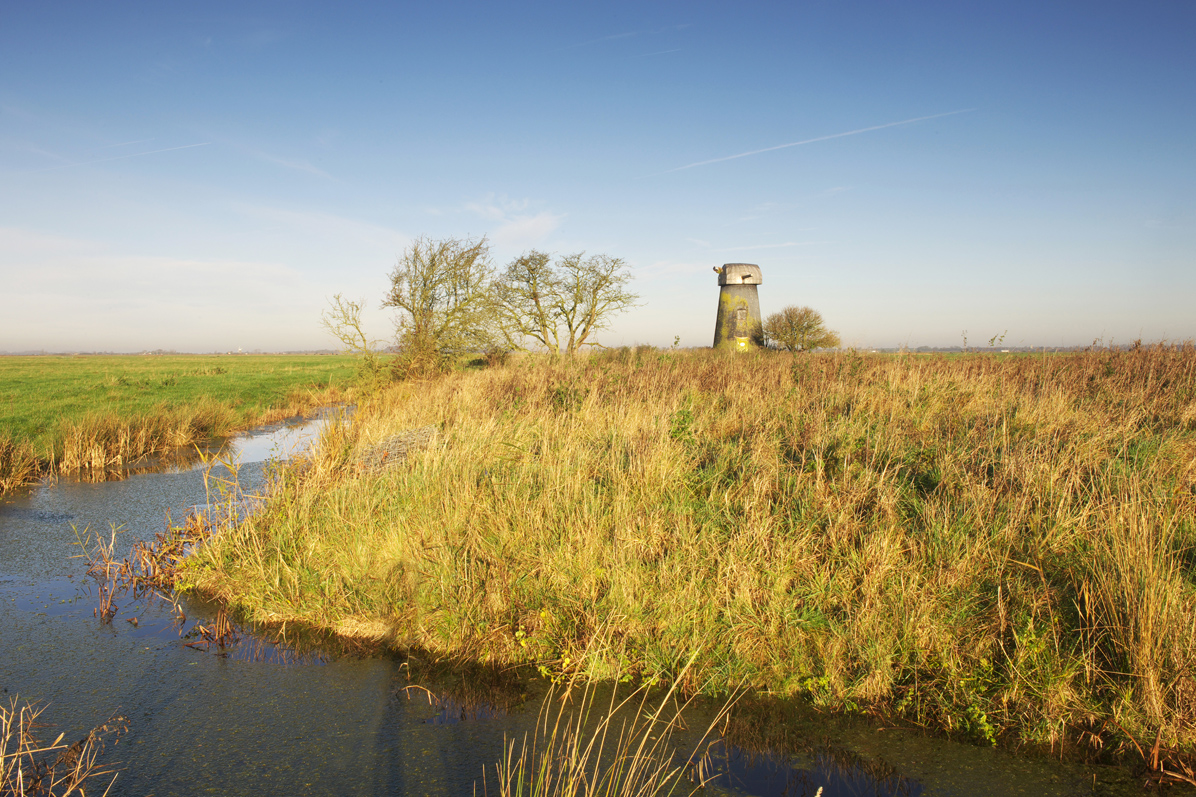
{"points": [[997, 546], [31, 766]]}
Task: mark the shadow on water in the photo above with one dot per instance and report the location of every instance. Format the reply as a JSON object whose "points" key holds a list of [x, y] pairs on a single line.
{"points": [[218, 705], [450, 710], [828, 773], [24, 513]]}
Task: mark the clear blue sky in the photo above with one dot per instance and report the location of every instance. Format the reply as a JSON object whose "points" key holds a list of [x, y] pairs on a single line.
{"points": [[205, 176]]}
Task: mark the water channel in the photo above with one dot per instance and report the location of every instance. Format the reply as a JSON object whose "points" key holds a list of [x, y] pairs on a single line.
{"points": [[265, 718]]}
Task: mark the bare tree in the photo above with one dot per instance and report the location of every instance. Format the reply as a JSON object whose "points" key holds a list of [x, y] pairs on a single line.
{"points": [[442, 292], [343, 320], [560, 306], [799, 329]]}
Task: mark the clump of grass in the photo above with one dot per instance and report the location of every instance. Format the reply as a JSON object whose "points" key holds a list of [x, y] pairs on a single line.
{"points": [[563, 757], [19, 466], [152, 568], [96, 442], [31, 767], [110, 575], [90, 415], [1000, 547], [582, 749]]}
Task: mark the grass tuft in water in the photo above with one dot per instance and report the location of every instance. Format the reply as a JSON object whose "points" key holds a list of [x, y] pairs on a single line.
{"points": [[29, 766], [18, 464]]}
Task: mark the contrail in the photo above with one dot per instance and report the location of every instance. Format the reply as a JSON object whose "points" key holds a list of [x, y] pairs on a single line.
{"points": [[629, 34], [125, 144], [116, 158], [820, 138]]}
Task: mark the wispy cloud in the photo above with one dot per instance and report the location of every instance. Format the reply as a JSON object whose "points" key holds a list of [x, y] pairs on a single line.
{"points": [[517, 226], [813, 140], [613, 37], [297, 165], [767, 246], [327, 136], [760, 210], [626, 35], [45, 153], [658, 52], [115, 158], [162, 300], [329, 226], [630, 34], [524, 231], [17, 241], [673, 268], [123, 144], [494, 208], [253, 151]]}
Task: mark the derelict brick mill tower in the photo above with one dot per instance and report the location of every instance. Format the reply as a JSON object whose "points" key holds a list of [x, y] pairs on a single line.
{"points": [[739, 323]]}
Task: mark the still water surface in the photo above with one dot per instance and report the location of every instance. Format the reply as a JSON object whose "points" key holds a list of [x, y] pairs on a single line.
{"points": [[265, 720]]}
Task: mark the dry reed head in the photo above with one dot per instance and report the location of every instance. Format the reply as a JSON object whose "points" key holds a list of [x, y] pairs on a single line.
{"points": [[29, 766]]}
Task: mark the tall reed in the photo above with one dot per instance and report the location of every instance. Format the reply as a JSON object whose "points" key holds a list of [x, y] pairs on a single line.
{"points": [[18, 464], [581, 748], [97, 441], [29, 766], [94, 443], [1000, 547]]}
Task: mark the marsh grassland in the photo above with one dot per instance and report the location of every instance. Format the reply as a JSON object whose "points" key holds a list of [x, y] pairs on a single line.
{"points": [[997, 547], [74, 414]]}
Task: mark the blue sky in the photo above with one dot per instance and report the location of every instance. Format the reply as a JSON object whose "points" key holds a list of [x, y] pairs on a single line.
{"points": [[204, 178]]}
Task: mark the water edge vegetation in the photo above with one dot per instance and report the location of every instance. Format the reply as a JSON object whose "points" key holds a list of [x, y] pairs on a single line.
{"points": [[31, 766], [995, 546], [72, 414]]}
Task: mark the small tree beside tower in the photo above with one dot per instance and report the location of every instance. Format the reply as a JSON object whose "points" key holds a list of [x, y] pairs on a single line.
{"points": [[740, 326], [799, 329]]}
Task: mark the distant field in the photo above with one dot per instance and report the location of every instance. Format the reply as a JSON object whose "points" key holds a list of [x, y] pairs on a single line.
{"points": [[72, 412]]}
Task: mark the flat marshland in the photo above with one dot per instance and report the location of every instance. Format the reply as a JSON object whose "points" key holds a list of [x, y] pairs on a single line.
{"points": [[86, 413], [996, 546]]}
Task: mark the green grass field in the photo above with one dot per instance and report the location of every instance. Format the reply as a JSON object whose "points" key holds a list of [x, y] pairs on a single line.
{"points": [[70, 412]]}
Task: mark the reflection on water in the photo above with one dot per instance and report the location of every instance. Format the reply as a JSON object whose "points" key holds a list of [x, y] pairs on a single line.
{"points": [[277, 441], [257, 717], [452, 710], [828, 772], [35, 515]]}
